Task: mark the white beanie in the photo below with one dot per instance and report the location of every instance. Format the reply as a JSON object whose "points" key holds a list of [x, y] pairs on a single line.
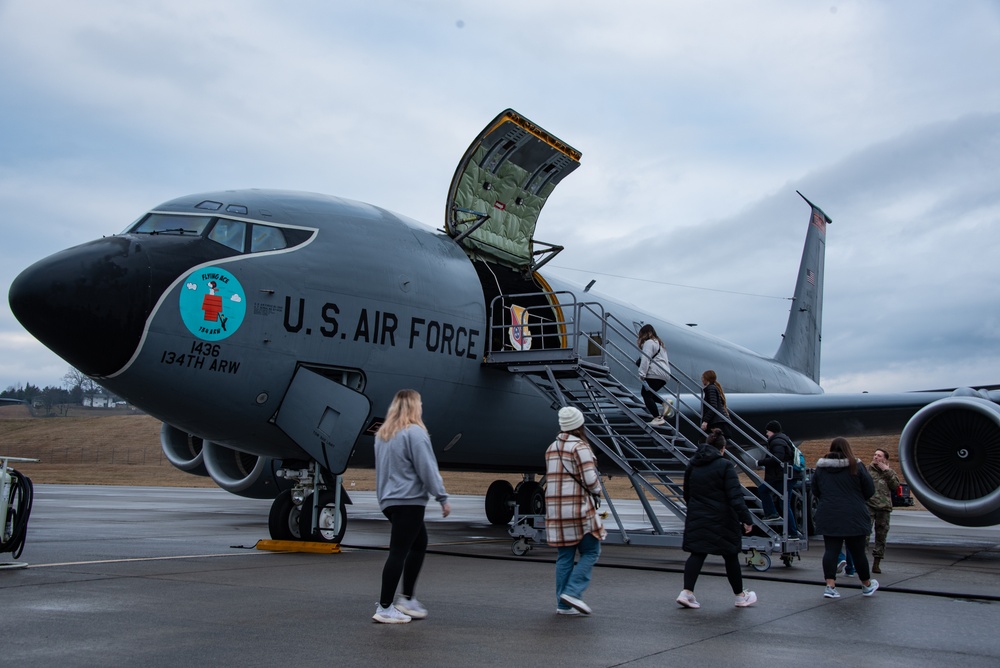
{"points": [[570, 418]]}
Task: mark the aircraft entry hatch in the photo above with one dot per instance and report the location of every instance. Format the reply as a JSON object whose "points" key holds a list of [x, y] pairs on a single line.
{"points": [[500, 187]]}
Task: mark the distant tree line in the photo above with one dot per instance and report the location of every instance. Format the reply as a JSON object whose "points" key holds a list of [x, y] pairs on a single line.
{"points": [[56, 400]]}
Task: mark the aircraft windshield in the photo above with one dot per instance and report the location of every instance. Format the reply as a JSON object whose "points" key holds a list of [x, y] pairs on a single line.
{"points": [[241, 236], [156, 223]]}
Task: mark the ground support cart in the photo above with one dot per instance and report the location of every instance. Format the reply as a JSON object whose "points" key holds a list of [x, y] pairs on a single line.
{"points": [[527, 531]]}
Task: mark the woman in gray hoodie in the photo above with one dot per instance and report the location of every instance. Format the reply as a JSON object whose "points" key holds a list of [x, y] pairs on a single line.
{"points": [[406, 473]]}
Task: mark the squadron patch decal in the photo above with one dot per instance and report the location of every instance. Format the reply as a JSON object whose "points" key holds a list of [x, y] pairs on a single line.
{"points": [[212, 304]]}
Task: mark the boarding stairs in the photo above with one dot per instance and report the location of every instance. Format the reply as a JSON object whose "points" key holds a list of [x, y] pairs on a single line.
{"points": [[579, 372]]}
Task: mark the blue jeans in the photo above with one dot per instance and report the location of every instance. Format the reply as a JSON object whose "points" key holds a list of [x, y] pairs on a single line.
{"points": [[573, 579], [846, 556], [767, 499]]}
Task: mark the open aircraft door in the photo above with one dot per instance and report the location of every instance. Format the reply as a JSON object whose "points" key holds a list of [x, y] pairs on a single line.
{"points": [[323, 417], [500, 187], [498, 191]]}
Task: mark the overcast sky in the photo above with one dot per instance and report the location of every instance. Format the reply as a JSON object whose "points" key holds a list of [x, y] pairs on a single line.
{"points": [[697, 120]]}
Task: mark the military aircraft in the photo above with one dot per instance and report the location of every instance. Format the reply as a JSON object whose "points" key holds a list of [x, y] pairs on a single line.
{"points": [[268, 331]]}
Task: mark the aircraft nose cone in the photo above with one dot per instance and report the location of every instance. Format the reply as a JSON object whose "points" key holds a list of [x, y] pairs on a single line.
{"points": [[87, 304]]}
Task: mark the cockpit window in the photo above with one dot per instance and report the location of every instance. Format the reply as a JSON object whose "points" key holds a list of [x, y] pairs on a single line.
{"points": [[156, 223], [229, 233], [266, 238], [241, 236]]}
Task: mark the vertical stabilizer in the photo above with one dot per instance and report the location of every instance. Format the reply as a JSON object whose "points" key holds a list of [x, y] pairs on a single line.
{"points": [[800, 345]]}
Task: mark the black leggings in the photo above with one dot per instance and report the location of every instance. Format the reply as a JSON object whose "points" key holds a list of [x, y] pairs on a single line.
{"points": [[407, 545], [692, 569], [649, 397], [831, 553]]}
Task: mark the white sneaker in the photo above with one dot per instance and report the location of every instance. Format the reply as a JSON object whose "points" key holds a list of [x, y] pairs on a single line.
{"points": [[686, 598], [567, 611], [831, 592], [390, 615], [576, 603], [746, 599], [870, 589], [841, 565], [411, 607], [657, 422]]}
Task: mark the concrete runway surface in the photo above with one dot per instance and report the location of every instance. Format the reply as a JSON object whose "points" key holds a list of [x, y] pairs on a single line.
{"points": [[127, 576]]}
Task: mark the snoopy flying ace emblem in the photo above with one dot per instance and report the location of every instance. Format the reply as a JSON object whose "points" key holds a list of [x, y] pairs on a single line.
{"points": [[212, 303]]}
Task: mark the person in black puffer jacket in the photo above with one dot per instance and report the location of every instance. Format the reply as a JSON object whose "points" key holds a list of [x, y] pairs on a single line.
{"points": [[842, 487], [716, 517]]}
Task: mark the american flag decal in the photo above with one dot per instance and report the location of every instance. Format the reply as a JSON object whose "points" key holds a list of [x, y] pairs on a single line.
{"points": [[819, 220], [810, 277]]}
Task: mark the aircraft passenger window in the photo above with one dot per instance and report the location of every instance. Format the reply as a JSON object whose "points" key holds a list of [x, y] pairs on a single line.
{"points": [[265, 238], [158, 223], [229, 233]]}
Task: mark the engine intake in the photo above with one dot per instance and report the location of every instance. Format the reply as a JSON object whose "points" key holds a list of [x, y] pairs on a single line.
{"points": [[182, 449], [950, 455], [243, 474]]}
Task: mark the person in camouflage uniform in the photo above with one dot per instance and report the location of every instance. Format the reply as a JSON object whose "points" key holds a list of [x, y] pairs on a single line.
{"points": [[880, 504]]}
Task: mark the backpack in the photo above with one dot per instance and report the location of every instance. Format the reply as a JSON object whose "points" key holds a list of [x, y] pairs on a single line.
{"points": [[798, 459]]}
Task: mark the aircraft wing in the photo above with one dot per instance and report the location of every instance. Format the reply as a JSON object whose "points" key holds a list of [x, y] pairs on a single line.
{"points": [[809, 416]]}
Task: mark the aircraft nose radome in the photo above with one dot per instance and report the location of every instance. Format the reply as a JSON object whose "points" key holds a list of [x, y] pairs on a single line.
{"points": [[87, 304]]}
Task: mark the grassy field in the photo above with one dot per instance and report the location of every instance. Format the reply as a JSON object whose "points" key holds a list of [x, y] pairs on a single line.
{"points": [[121, 447]]}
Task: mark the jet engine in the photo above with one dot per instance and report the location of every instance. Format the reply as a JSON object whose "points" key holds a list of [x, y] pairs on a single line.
{"points": [[243, 474], [950, 455], [236, 472], [183, 450]]}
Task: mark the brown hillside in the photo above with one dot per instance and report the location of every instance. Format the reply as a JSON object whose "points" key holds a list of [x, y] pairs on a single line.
{"points": [[118, 447]]}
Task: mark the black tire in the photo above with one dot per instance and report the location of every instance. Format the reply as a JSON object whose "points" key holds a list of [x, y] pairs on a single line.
{"points": [[530, 498], [498, 498], [283, 520], [325, 533], [797, 509]]}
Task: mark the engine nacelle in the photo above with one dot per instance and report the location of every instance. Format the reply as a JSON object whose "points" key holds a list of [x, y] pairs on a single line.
{"points": [[950, 455], [183, 450], [243, 474]]}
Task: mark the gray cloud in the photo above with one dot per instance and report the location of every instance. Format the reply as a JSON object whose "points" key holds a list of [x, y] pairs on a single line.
{"points": [[697, 122]]}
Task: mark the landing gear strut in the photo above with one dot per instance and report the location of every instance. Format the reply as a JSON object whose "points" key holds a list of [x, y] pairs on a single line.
{"points": [[529, 495], [309, 511]]}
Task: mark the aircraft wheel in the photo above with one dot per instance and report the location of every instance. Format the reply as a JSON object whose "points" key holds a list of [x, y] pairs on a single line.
{"points": [[498, 498], [811, 510], [325, 534], [283, 520], [530, 497]]}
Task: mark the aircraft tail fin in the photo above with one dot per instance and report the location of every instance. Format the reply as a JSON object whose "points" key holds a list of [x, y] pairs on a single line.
{"points": [[800, 344]]}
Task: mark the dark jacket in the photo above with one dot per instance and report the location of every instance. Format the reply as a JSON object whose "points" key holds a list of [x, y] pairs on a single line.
{"points": [[781, 447], [841, 498], [715, 505], [710, 396]]}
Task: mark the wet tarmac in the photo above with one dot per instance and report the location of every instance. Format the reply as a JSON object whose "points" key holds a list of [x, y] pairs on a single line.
{"points": [[125, 576]]}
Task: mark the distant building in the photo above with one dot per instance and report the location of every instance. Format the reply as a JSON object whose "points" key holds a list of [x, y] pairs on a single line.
{"points": [[100, 399]]}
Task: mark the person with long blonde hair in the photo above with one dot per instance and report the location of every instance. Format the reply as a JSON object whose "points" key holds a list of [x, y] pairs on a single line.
{"points": [[406, 473]]}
